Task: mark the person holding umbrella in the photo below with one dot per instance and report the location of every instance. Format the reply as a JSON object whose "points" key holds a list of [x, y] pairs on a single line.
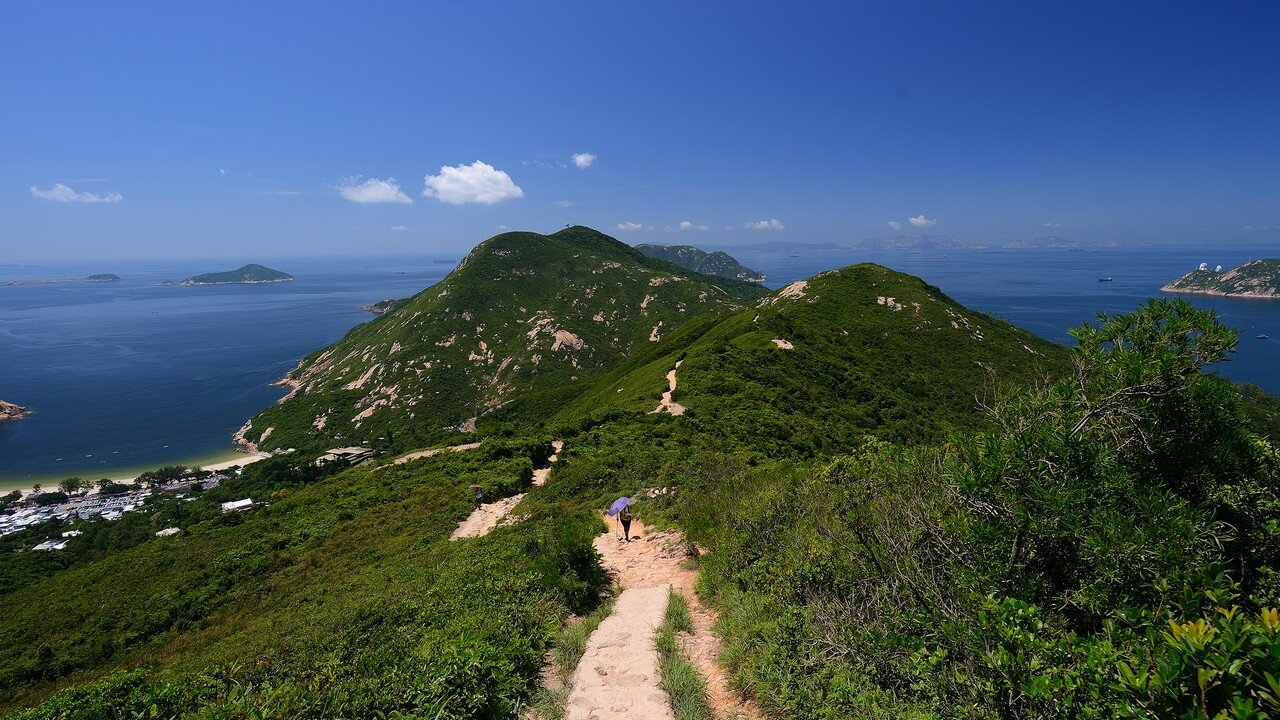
{"points": [[622, 509]]}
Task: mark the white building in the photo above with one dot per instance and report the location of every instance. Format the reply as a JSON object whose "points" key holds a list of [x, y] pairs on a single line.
{"points": [[237, 505], [168, 531]]}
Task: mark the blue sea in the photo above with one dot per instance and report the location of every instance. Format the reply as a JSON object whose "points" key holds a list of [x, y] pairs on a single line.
{"points": [[131, 375]]}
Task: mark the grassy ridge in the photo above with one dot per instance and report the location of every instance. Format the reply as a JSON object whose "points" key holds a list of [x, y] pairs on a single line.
{"points": [[355, 569]]}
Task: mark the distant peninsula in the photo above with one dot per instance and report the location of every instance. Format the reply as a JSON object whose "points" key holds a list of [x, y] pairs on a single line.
{"points": [[249, 274], [1254, 279], [45, 281], [918, 242], [103, 277], [718, 263], [9, 411], [1053, 242], [382, 306]]}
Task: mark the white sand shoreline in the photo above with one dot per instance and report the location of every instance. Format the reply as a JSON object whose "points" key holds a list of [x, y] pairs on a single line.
{"points": [[242, 460]]}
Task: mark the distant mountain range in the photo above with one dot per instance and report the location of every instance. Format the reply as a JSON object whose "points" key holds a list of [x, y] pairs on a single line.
{"points": [[918, 242], [1053, 241], [717, 263], [780, 246]]}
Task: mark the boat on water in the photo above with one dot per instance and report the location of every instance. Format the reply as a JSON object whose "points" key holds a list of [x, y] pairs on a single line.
{"points": [[1105, 279], [1262, 336]]}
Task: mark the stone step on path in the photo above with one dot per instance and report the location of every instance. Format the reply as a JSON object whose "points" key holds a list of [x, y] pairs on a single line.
{"points": [[490, 515], [618, 676]]}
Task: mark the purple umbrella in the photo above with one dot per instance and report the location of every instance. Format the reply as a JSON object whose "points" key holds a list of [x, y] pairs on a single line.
{"points": [[619, 505]]}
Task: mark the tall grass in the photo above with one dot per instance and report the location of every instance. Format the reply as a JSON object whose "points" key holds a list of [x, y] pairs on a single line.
{"points": [[685, 687]]}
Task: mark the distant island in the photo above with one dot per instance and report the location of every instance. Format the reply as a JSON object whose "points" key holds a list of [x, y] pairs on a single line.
{"points": [[782, 246], [1254, 279], [918, 242], [103, 277], [1061, 243], [382, 306], [249, 274], [46, 281], [9, 411], [717, 263]]}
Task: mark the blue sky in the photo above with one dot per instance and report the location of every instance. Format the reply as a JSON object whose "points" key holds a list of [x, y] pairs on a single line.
{"points": [[226, 129]]}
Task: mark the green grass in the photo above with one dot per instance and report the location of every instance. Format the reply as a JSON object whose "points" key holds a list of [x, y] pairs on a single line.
{"points": [[569, 647], [685, 687]]}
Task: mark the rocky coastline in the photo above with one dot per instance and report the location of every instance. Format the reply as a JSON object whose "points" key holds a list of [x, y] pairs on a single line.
{"points": [[10, 411]]}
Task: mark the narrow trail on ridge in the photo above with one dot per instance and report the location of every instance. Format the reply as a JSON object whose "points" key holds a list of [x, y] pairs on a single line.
{"points": [[668, 405], [490, 515], [431, 453], [618, 675]]}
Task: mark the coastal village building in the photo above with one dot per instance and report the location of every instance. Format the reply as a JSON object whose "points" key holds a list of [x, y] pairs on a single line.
{"points": [[168, 532]]}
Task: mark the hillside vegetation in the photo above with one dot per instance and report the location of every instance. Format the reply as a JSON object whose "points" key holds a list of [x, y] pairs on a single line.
{"points": [[900, 508], [525, 317], [718, 263]]}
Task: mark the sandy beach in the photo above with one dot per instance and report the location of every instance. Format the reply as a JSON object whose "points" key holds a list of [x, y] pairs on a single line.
{"points": [[240, 461]]}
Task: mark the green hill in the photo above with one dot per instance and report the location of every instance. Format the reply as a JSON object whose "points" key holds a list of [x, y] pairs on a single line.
{"points": [[899, 507], [823, 362], [525, 322], [249, 274], [1254, 279], [718, 263]]}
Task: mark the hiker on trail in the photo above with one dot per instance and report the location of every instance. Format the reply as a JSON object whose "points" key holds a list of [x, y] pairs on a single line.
{"points": [[479, 496], [625, 518]]}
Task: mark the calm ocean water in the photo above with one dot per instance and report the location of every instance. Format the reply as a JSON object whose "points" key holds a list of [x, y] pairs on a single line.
{"points": [[130, 375]]}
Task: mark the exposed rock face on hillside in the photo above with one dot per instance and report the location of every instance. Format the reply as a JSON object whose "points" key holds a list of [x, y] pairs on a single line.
{"points": [[9, 411], [718, 263], [1255, 279], [524, 318]]}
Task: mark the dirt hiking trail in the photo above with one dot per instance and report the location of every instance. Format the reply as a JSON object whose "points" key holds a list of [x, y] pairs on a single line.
{"points": [[667, 405], [618, 675], [490, 515]]}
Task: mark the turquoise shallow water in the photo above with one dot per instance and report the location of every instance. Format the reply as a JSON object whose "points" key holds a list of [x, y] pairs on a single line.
{"points": [[127, 376]]}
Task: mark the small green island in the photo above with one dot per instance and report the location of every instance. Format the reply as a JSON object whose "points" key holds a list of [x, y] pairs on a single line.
{"points": [[247, 275], [1254, 279], [103, 277], [716, 264]]}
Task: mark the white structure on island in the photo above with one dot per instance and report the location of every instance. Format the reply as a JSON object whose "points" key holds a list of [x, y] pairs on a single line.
{"points": [[237, 505], [168, 531]]}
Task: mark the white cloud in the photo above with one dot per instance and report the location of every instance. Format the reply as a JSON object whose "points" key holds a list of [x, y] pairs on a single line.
{"points": [[563, 203], [475, 183], [1053, 225], [222, 172], [62, 193], [400, 228], [629, 226], [582, 161], [921, 221], [895, 225], [728, 228], [686, 225], [372, 190], [764, 225]]}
